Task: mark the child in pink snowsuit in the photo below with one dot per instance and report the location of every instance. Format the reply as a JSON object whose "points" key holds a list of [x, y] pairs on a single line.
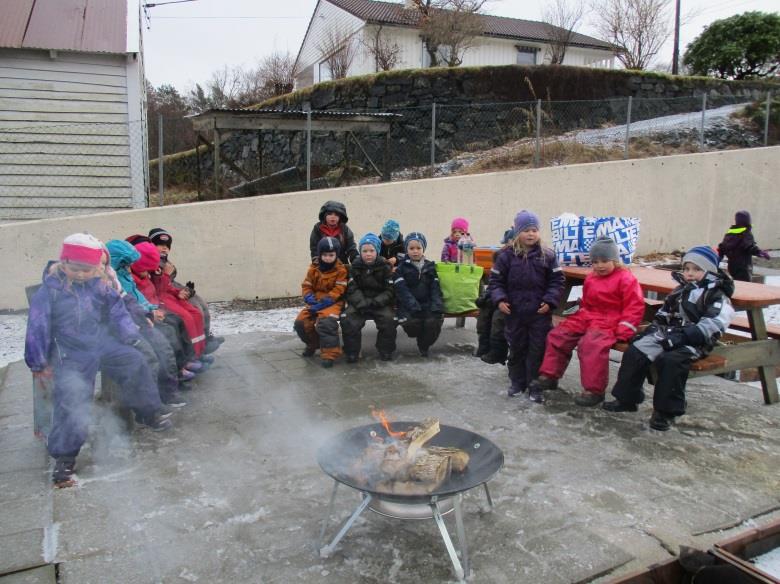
{"points": [[611, 309], [459, 228]]}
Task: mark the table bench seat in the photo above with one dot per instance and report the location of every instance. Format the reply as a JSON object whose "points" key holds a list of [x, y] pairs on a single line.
{"points": [[741, 323]]}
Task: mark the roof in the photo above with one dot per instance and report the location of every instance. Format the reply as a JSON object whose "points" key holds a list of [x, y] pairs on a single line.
{"points": [[95, 26], [392, 13]]}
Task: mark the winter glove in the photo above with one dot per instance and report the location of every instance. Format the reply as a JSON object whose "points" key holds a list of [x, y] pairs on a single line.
{"points": [[310, 299], [764, 255], [191, 286], [694, 335], [680, 336], [326, 302]]}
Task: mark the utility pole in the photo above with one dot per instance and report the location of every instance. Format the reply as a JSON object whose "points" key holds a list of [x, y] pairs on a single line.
{"points": [[676, 54]]}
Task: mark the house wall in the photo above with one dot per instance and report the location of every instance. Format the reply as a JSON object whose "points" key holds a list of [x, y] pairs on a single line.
{"points": [[258, 246], [65, 140]]}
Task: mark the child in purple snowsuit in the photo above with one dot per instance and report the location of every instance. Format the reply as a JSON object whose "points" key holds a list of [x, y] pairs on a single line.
{"points": [[68, 339], [526, 285]]}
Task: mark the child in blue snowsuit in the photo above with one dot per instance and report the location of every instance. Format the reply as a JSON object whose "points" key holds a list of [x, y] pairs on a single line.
{"points": [[68, 339], [419, 301]]}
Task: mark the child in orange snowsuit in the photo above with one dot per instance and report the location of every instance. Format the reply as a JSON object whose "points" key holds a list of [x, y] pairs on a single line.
{"points": [[323, 289]]}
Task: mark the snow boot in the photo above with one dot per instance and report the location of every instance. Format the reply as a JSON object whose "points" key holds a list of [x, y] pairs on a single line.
{"points": [[588, 399], [660, 421], [617, 406], [62, 475]]}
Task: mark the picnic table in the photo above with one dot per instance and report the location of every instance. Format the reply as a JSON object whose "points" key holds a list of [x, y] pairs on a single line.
{"points": [[761, 350]]}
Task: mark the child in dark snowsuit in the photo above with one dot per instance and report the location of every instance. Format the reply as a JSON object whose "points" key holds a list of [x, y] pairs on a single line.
{"points": [[492, 347], [69, 339], [163, 241], [526, 285], [369, 296], [392, 242], [610, 310], [333, 223], [693, 316], [739, 247], [420, 303], [323, 290]]}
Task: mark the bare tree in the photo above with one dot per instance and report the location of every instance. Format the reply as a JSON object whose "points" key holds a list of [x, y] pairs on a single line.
{"points": [[386, 53], [561, 18], [638, 28], [338, 51], [277, 72], [449, 28]]}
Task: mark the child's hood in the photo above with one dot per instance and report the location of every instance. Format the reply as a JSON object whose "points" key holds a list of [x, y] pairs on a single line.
{"points": [[720, 280], [122, 254], [334, 207]]}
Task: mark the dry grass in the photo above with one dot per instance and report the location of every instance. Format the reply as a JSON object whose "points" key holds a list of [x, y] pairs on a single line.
{"points": [[173, 197]]}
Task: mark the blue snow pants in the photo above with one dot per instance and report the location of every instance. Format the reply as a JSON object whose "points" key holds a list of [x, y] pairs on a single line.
{"points": [[74, 387]]}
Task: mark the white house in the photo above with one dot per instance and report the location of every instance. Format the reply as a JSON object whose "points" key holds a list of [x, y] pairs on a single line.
{"points": [[505, 41], [72, 108]]}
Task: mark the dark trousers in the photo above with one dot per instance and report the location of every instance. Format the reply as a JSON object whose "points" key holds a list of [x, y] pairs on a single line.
{"points": [[490, 331], [175, 332], [161, 359], [425, 329], [74, 387], [742, 273], [352, 324], [672, 367], [526, 350]]}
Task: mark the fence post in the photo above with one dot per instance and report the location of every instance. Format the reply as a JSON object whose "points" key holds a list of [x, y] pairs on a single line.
{"points": [[766, 119], [308, 150], [703, 116], [538, 151], [433, 139], [628, 126], [160, 165]]}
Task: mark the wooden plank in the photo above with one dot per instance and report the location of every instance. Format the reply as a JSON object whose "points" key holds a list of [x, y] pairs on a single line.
{"points": [[62, 95], [53, 117], [743, 324], [17, 137], [54, 170], [62, 160], [43, 75], [60, 86], [81, 198], [9, 128], [27, 148], [59, 181], [110, 65], [28, 54], [62, 106]]}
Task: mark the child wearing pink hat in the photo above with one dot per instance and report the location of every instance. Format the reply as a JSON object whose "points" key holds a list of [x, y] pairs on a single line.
{"points": [[77, 326], [459, 228]]}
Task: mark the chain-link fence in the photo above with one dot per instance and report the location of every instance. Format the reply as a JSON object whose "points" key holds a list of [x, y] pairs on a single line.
{"points": [[60, 169]]}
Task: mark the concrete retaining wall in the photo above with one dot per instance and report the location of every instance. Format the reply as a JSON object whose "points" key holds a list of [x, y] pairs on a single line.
{"points": [[258, 247]]}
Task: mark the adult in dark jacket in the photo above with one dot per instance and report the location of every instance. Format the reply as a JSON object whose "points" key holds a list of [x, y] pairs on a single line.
{"points": [[526, 285], [333, 223], [369, 296], [419, 301], [686, 328], [739, 247], [392, 242]]}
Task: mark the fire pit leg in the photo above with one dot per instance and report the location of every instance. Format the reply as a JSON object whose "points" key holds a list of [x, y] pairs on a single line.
{"points": [[325, 551], [445, 535], [326, 519], [489, 498], [464, 549]]}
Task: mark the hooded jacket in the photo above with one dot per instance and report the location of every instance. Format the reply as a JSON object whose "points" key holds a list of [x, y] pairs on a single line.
{"points": [[123, 255], [526, 281], [417, 290], [739, 246], [345, 236], [394, 249], [74, 317], [370, 286]]}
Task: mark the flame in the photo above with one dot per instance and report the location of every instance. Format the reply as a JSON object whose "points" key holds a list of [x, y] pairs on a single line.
{"points": [[379, 415]]}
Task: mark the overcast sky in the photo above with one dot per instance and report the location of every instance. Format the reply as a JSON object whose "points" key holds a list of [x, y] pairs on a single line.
{"points": [[187, 41]]}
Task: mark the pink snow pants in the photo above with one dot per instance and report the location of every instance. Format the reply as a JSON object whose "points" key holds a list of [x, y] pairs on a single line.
{"points": [[592, 349]]}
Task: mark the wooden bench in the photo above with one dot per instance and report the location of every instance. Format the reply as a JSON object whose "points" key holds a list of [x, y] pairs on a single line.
{"points": [[741, 323]]}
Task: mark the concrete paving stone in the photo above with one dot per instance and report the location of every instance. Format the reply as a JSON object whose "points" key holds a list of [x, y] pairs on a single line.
{"points": [[23, 484], [31, 457], [17, 437], [272, 356], [24, 514], [41, 575], [21, 550]]}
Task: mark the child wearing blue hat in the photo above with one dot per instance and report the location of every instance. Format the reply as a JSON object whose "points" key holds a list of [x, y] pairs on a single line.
{"points": [[693, 317], [420, 302], [369, 296], [392, 242]]}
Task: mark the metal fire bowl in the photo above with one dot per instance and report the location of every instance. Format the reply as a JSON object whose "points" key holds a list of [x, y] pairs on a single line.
{"points": [[398, 510], [337, 456]]}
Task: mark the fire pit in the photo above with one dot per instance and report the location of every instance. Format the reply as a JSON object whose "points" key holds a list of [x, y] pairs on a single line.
{"points": [[346, 456]]}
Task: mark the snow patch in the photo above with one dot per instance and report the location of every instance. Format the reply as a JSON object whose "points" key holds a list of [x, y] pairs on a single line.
{"points": [[51, 540], [249, 517], [769, 562]]}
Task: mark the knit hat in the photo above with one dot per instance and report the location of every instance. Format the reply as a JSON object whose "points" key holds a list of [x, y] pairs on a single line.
{"points": [[704, 257], [158, 236], [508, 236], [370, 239], [150, 257], [136, 239], [327, 244], [390, 230], [604, 248], [81, 248], [742, 218], [415, 236], [460, 223], [525, 219]]}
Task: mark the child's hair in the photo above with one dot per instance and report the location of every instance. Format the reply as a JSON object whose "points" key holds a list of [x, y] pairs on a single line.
{"points": [[522, 250]]}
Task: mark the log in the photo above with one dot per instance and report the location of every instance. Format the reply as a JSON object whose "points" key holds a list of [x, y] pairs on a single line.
{"points": [[419, 435], [432, 469], [460, 458]]}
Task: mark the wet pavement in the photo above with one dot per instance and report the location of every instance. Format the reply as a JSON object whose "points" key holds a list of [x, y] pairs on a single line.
{"points": [[234, 494]]}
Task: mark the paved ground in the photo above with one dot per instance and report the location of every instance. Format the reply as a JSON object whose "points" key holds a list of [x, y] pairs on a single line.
{"points": [[234, 494]]}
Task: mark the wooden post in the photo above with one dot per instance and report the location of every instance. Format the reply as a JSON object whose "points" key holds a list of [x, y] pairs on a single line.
{"points": [[386, 156], [766, 374], [217, 164]]}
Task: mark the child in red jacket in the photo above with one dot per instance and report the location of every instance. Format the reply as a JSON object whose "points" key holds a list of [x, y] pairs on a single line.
{"points": [[611, 309]]}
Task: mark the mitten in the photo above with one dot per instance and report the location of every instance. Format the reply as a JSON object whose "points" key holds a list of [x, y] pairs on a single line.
{"points": [[694, 335], [310, 299], [764, 255], [327, 301]]}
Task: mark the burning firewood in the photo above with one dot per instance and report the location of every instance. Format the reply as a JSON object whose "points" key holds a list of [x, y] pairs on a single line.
{"points": [[419, 435], [460, 458], [431, 468]]}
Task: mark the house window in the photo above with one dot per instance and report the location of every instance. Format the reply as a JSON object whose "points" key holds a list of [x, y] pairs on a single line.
{"points": [[526, 55], [323, 72], [425, 58]]}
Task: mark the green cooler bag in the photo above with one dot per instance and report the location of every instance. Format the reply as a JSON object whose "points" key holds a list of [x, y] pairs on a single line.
{"points": [[459, 286]]}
